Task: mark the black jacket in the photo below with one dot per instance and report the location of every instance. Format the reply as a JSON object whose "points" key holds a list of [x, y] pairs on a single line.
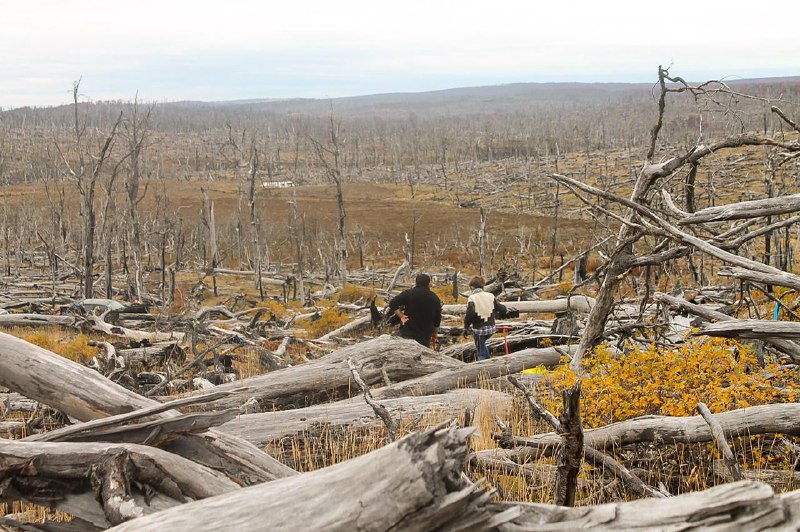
{"points": [[424, 311]]}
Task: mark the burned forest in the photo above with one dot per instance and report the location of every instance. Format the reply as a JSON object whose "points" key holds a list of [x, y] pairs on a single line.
{"points": [[194, 331]]}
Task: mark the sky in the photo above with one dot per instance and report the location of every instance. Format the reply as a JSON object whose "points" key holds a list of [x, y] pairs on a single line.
{"points": [[172, 50]]}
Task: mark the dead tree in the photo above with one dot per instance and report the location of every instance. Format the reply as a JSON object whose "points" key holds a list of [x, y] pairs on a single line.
{"points": [[86, 172], [255, 223], [640, 220], [329, 155], [136, 132]]}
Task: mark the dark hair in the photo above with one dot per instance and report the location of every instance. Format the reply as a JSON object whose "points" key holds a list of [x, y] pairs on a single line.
{"points": [[423, 279], [476, 282]]}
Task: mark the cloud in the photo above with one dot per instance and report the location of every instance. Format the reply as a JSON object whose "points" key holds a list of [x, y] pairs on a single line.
{"points": [[206, 50]]}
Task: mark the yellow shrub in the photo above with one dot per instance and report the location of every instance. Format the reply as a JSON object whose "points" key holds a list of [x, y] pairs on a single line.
{"points": [[275, 308], [329, 320], [722, 373], [75, 347], [44, 340], [445, 293], [352, 293]]}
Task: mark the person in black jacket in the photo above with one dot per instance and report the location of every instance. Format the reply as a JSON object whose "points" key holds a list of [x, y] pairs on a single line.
{"points": [[419, 310], [482, 308]]}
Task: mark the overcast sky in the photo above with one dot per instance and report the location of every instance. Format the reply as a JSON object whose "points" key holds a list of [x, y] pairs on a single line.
{"points": [[169, 50]]}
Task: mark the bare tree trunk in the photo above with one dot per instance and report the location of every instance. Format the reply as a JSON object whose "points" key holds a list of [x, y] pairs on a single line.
{"points": [[482, 243], [210, 223], [255, 225], [335, 176], [299, 243]]}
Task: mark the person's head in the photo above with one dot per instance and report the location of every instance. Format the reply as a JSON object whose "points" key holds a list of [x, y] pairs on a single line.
{"points": [[476, 282], [423, 279]]}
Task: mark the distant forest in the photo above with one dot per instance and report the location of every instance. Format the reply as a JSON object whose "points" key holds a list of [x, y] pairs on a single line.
{"points": [[396, 131]]}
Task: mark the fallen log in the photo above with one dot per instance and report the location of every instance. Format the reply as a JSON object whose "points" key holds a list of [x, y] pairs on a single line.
{"points": [[412, 484], [785, 346], [752, 329], [350, 327], [154, 337], [577, 303], [84, 394], [157, 433], [354, 414], [470, 374], [37, 320], [11, 429], [57, 475], [467, 351], [14, 402], [153, 355], [745, 505], [770, 278], [81, 430], [328, 378], [777, 418]]}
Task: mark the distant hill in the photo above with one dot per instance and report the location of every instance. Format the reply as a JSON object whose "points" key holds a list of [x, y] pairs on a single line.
{"points": [[485, 99]]}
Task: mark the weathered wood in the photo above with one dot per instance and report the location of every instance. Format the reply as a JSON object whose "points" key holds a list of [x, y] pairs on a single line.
{"points": [[752, 329], [81, 429], [764, 419], [570, 453], [745, 209], [782, 479], [379, 410], [576, 303], [721, 442], [469, 374], [37, 320], [467, 351], [329, 378], [608, 465], [350, 327], [354, 414], [745, 505], [14, 402], [154, 337], [11, 429], [157, 433], [776, 278], [617, 271], [56, 474], [84, 394], [785, 346], [412, 484], [152, 355]]}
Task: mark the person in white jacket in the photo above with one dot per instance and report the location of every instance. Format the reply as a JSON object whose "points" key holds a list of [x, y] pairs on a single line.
{"points": [[482, 307]]}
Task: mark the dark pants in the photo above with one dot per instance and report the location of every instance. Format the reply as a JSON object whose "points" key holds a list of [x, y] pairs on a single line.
{"points": [[412, 336]]}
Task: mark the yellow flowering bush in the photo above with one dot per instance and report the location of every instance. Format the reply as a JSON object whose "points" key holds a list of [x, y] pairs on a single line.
{"points": [[722, 373]]}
